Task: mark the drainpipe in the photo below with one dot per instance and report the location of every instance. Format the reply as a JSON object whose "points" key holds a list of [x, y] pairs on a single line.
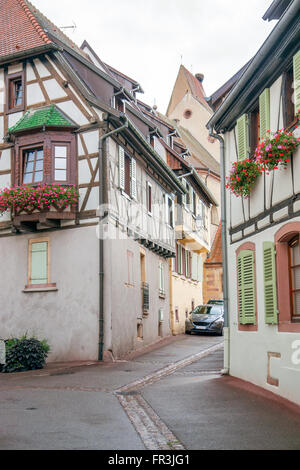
{"points": [[224, 253], [103, 199]]}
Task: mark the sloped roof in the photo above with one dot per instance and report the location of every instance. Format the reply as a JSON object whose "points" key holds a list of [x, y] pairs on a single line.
{"points": [[196, 87], [54, 33], [199, 153], [19, 29], [49, 116]]}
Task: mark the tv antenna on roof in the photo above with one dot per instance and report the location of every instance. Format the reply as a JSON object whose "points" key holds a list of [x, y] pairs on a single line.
{"points": [[69, 27]]}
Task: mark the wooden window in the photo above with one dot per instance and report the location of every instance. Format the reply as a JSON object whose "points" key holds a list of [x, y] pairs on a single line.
{"points": [[127, 173], [294, 273], [39, 262], [270, 293], [246, 287], [254, 130], [33, 165], [287, 98], [149, 198], [45, 157], [170, 211], [60, 162], [242, 137], [15, 92], [264, 113]]}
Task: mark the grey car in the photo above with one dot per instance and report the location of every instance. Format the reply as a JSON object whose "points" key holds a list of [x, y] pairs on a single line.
{"points": [[207, 318]]}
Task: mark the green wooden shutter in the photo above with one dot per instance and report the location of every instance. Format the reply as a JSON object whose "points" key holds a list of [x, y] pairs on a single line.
{"points": [[296, 68], [121, 168], [246, 288], [264, 113], [187, 266], [270, 283], [179, 267], [243, 137], [39, 263]]}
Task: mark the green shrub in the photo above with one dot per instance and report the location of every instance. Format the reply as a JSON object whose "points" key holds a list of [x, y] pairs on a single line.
{"points": [[25, 354]]}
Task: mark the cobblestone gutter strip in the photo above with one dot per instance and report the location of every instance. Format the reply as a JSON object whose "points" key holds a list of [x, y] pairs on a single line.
{"points": [[133, 386], [153, 432]]}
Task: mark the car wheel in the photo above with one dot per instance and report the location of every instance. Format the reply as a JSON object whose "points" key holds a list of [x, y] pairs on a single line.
{"points": [[188, 332]]}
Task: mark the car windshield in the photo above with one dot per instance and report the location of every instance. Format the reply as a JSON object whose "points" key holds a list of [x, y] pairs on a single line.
{"points": [[208, 310], [216, 302]]}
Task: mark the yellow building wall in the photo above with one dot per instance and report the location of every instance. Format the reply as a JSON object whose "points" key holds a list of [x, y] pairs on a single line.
{"points": [[184, 292]]}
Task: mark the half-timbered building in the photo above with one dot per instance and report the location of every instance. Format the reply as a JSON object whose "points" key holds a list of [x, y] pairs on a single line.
{"points": [[90, 276], [261, 231]]}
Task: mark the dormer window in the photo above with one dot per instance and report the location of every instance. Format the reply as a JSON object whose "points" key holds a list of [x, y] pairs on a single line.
{"points": [[15, 92], [45, 147]]}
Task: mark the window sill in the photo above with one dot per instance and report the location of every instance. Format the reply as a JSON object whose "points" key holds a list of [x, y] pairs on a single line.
{"points": [[19, 109], [40, 288]]}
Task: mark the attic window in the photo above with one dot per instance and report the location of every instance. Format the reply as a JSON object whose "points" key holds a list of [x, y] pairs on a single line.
{"points": [[15, 92], [187, 114]]}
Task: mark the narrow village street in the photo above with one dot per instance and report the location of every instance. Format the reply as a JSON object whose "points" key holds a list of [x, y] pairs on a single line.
{"points": [[171, 397]]}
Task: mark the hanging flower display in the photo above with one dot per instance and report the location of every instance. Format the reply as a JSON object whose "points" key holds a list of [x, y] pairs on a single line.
{"points": [[273, 152], [242, 177], [38, 198]]}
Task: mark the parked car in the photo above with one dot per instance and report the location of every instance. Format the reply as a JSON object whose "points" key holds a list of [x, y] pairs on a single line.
{"points": [[216, 301], [207, 318]]}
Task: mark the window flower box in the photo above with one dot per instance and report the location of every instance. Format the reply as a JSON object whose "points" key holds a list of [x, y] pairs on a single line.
{"points": [[40, 203], [274, 152], [243, 176]]}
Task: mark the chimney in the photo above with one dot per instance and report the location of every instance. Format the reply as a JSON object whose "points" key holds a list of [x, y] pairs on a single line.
{"points": [[199, 77]]}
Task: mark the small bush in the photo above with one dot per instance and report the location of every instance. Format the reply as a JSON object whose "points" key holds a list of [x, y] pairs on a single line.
{"points": [[25, 354]]}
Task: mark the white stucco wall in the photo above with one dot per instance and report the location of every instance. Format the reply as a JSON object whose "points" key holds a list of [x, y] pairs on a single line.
{"points": [[249, 349]]}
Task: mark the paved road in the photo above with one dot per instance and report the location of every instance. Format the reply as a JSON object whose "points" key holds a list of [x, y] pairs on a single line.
{"points": [[170, 398]]}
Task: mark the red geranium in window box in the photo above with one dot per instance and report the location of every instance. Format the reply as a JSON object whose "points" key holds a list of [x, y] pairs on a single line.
{"points": [[42, 198], [242, 177], [276, 151]]}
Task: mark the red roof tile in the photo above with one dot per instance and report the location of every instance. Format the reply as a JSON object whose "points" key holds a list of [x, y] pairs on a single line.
{"points": [[19, 29], [196, 86]]}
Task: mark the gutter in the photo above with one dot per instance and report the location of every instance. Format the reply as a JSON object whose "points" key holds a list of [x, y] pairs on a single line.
{"points": [[226, 369], [102, 158], [29, 53], [273, 40]]}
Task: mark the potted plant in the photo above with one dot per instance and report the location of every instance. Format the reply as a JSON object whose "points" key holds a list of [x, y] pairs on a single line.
{"points": [[243, 176], [275, 151], [42, 198]]}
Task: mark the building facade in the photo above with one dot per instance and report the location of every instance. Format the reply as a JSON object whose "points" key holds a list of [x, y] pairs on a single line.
{"points": [[262, 230], [91, 275]]}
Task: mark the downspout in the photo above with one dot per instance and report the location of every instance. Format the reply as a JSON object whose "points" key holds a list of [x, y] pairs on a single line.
{"points": [[103, 199], [224, 253]]}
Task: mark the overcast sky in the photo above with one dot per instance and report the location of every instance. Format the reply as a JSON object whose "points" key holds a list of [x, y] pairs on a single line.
{"points": [[149, 39]]}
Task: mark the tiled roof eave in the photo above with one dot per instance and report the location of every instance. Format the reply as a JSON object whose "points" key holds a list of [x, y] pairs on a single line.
{"points": [[28, 53]]}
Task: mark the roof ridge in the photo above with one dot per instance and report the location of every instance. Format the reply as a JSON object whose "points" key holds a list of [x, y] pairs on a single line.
{"points": [[34, 22], [55, 28]]}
